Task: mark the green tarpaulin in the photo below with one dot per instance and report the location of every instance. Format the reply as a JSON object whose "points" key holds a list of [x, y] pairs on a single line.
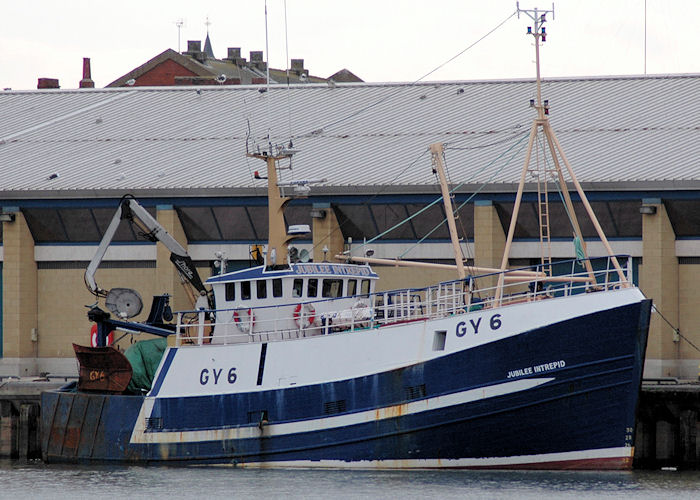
{"points": [[144, 357]]}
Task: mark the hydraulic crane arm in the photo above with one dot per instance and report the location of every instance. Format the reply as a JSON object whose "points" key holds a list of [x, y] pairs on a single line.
{"points": [[131, 210]]}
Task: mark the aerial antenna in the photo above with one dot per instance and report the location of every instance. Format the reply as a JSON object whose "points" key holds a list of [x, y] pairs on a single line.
{"points": [[539, 17], [286, 48], [179, 23], [267, 79]]}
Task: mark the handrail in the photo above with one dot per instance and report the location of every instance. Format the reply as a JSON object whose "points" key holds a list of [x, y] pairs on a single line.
{"points": [[370, 311]]}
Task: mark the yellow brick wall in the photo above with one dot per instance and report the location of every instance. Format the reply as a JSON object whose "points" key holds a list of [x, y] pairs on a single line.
{"points": [[391, 278], [327, 233], [63, 296], [167, 277], [19, 283], [689, 310], [489, 242], [658, 279]]}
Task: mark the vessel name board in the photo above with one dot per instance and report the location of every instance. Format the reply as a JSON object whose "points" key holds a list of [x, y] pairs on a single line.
{"points": [[341, 270]]}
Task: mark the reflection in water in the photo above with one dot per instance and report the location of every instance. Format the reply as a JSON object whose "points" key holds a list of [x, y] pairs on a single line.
{"points": [[20, 480]]}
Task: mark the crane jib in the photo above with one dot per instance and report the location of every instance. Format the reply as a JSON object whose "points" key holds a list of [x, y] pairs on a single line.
{"points": [[186, 267]]}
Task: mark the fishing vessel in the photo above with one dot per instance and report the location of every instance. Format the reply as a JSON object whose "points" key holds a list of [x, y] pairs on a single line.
{"points": [[297, 363]]}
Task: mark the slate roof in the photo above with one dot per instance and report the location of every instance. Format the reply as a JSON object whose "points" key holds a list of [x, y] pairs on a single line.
{"points": [[618, 132]]}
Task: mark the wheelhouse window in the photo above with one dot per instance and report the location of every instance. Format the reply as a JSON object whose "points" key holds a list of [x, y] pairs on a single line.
{"points": [[312, 287], [352, 287], [332, 288], [262, 289], [277, 287], [245, 290], [230, 292], [297, 287], [364, 288]]}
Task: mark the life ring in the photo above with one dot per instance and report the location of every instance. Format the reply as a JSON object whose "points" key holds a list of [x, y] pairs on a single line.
{"points": [[304, 315], [244, 319], [93, 337]]}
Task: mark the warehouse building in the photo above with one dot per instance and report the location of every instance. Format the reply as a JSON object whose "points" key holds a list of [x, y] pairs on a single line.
{"points": [[68, 156]]}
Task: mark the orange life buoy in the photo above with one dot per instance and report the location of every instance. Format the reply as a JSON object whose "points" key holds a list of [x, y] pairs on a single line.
{"points": [[244, 323], [304, 315], [93, 337]]}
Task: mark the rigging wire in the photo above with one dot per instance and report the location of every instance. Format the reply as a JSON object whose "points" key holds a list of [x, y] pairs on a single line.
{"points": [[401, 89], [677, 331], [369, 200], [437, 200], [471, 197]]}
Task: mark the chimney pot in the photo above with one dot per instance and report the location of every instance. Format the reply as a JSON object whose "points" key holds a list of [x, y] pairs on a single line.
{"points": [[194, 46], [234, 53], [256, 56], [86, 82], [47, 83], [297, 65]]}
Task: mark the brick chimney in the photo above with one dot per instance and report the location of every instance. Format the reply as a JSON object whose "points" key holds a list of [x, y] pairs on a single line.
{"points": [[194, 50], [47, 83], [234, 56], [298, 67], [256, 60], [86, 82]]}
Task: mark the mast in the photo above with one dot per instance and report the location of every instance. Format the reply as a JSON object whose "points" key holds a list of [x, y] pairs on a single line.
{"points": [[436, 150], [541, 124], [278, 240]]}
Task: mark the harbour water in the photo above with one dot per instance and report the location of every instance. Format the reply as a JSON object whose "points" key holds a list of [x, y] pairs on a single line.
{"points": [[20, 480]]}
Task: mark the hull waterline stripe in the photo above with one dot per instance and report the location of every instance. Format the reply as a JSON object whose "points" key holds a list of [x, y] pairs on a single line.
{"points": [[616, 457], [140, 435]]}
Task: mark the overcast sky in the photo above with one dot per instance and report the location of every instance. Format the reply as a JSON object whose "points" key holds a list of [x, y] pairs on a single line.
{"points": [[378, 40]]}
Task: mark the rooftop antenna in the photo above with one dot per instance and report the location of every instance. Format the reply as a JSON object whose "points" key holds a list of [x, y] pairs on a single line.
{"points": [[558, 157], [267, 80], [179, 23]]}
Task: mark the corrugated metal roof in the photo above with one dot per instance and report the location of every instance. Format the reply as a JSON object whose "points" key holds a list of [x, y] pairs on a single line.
{"points": [[629, 131]]}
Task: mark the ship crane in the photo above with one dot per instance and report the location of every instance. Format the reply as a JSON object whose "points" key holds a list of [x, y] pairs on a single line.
{"points": [[126, 303]]}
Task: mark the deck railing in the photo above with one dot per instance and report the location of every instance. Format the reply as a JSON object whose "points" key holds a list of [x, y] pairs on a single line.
{"points": [[399, 306]]}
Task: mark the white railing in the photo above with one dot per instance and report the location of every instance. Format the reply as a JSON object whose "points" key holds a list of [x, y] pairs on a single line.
{"points": [[397, 306]]}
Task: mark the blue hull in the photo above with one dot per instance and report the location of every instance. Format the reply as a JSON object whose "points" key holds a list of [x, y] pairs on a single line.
{"points": [[587, 403]]}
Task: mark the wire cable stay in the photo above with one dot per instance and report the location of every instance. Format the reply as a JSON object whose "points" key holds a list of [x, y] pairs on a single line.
{"points": [[355, 113], [459, 186], [478, 190], [676, 330]]}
